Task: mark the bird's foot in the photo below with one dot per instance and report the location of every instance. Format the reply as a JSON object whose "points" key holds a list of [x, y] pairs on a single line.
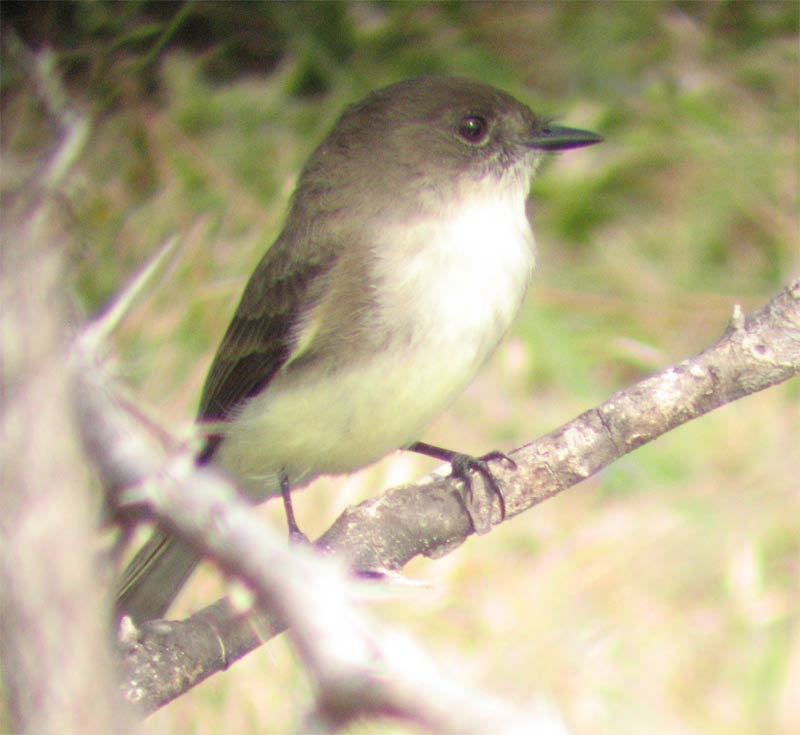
{"points": [[462, 466]]}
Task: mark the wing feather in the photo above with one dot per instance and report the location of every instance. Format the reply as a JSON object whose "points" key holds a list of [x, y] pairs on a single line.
{"points": [[263, 332]]}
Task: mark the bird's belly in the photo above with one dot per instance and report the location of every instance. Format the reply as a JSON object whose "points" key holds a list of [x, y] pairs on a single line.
{"points": [[338, 422]]}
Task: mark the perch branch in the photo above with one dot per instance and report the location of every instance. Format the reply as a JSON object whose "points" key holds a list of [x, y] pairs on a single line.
{"points": [[382, 534]]}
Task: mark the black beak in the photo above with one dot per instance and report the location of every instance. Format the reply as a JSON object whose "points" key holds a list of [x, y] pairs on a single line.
{"points": [[557, 138]]}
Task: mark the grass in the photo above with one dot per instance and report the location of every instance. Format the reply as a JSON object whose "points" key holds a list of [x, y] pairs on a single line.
{"points": [[660, 596]]}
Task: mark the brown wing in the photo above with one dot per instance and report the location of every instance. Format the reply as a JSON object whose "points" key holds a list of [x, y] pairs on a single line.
{"points": [[260, 338]]}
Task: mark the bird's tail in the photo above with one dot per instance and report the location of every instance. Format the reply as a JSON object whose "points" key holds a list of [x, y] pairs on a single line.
{"points": [[154, 577]]}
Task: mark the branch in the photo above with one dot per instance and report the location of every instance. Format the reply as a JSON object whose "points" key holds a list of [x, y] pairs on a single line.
{"points": [[359, 670], [383, 534], [754, 353], [58, 671]]}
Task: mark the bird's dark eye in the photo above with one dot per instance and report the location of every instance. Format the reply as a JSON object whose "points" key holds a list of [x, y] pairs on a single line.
{"points": [[473, 128]]}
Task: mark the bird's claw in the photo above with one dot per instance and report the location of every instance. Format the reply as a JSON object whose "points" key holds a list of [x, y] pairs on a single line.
{"points": [[463, 464]]}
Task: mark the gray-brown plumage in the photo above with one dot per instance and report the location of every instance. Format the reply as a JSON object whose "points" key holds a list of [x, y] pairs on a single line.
{"points": [[405, 256]]}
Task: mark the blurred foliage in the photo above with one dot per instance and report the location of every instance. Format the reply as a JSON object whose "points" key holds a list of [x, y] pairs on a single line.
{"points": [[663, 596]]}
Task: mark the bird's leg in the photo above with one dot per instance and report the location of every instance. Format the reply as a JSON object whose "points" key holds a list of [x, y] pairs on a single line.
{"points": [[295, 534], [462, 464]]}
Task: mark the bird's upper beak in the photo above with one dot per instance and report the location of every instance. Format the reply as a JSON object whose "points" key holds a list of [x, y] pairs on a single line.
{"points": [[557, 138]]}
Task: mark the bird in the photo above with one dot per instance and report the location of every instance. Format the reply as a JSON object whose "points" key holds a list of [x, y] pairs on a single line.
{"points": [[404, 257]]}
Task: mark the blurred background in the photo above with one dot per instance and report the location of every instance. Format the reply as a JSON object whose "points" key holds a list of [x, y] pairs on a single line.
{"points": [[660, 596]]}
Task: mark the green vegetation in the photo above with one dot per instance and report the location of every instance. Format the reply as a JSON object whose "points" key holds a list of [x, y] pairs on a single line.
{"points": [[659, 597]]}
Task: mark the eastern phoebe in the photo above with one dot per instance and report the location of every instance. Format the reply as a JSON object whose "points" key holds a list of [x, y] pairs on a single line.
{"points": [[405, 256]]}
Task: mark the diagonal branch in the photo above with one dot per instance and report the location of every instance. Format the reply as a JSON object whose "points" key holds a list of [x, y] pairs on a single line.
{"points": [[358, 668], [381, 535], [754, 354]]}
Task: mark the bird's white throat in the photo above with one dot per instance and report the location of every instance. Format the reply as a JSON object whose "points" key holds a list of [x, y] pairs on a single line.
{"points": [[459, 275]]}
